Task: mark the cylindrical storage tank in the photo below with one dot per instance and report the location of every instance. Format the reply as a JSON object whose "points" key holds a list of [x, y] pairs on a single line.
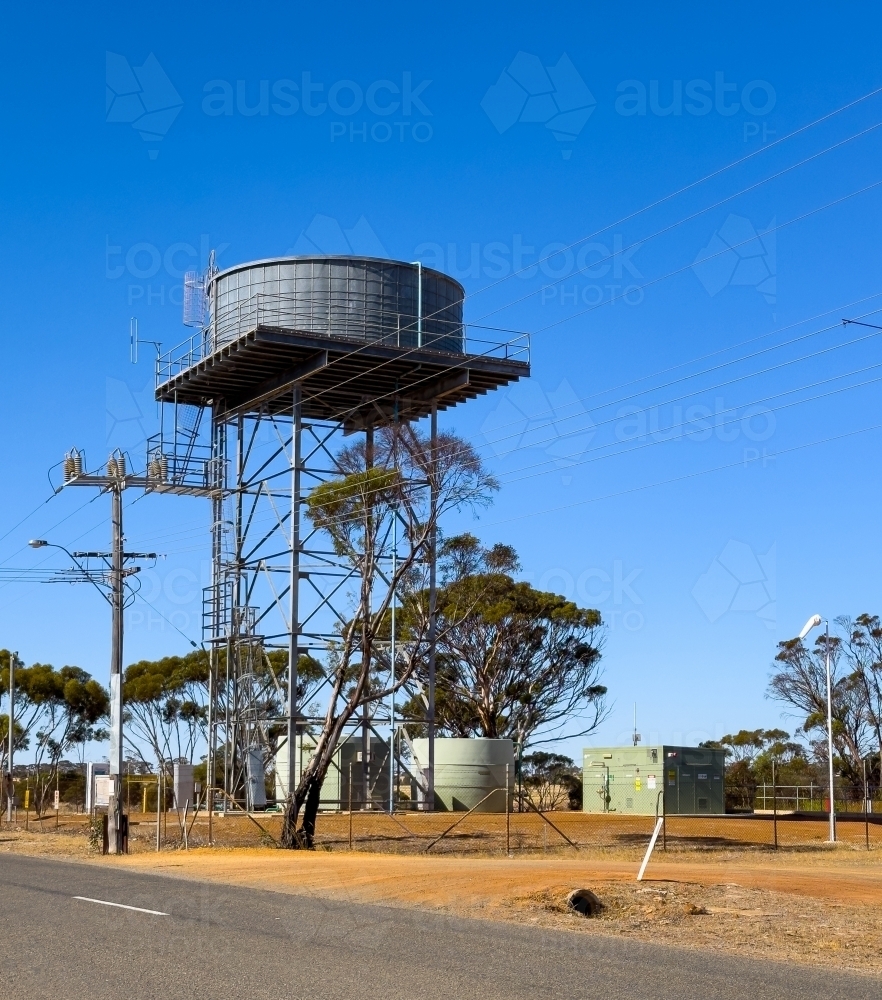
{"points": [[255, 774], [364, 299], [468, 771], [184, 786]]}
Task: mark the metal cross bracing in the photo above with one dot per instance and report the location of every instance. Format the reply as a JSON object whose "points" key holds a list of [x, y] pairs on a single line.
{"points": [[278, 586], [279, 591]]}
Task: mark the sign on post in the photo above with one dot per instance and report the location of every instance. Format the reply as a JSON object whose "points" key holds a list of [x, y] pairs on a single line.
{"points": [[102, 790]]}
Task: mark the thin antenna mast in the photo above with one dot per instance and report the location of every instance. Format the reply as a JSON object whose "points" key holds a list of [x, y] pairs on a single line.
{"points": [[135, 340]]}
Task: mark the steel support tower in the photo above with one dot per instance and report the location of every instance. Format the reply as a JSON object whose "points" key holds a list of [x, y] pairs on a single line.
{"points": [[255, 408]]}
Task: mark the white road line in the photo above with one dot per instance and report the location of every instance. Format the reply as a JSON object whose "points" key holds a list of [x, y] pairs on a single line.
{"points": [[122, 906]]}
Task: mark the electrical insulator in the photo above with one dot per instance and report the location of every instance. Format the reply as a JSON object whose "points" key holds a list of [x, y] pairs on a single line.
{"points": [[73, 465], [121, 465], [112, 472], [156, 468]]}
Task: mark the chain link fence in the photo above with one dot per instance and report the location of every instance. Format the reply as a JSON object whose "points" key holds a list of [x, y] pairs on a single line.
{"points": [[477, 817], [515, 833]]}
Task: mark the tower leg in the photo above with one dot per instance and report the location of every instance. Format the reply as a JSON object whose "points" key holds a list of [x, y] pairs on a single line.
{"points": [[294, 585], [433, 598]]}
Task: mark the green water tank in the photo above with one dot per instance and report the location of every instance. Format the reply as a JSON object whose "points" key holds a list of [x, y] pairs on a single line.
{"points": [[468, 771]]}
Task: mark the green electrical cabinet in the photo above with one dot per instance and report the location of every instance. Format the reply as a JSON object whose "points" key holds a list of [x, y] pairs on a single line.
{"points": [[631, 780]]}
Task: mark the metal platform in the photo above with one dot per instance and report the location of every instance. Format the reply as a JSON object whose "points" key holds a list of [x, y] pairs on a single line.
{"points": [[351, 382]]}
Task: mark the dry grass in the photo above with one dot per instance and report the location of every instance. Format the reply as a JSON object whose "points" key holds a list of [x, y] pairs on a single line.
{"points": [[485, 834]]}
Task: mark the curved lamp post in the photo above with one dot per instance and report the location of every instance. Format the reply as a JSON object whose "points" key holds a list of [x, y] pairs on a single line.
{"points": [[813, 622]]}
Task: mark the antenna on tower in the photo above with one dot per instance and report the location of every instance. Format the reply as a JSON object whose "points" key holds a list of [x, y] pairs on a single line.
{"points": [[636, 737], [134, 340]]}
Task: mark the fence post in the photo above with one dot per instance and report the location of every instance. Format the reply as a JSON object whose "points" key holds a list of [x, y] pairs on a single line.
{"points": [[660, 799], [350, 805], [775, 804], [507, 816], [866, 807]]}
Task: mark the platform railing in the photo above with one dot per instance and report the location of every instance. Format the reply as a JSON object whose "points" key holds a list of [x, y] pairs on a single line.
{"points": [[326, 317]]}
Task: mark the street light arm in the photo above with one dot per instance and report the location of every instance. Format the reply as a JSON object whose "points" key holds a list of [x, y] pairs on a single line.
{"points": [[41, 543], [813, 622]]}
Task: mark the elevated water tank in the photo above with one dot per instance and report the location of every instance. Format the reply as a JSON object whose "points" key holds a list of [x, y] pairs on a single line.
{"points": [[364, 299], [469, 770]]}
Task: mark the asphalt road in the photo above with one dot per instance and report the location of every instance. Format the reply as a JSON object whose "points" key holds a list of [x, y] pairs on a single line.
{"points": [[216, 942]]}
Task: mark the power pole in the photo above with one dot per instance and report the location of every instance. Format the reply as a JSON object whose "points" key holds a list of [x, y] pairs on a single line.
{"points": [[112, 577], [11, 789], [115, 822]]}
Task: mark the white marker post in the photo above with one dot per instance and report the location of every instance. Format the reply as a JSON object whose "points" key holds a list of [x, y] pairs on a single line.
{"points": [[658, 825]]}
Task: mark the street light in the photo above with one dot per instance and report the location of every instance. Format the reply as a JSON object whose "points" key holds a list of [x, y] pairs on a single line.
{"points": [[41, 543], [113, 579], [813, 622]]}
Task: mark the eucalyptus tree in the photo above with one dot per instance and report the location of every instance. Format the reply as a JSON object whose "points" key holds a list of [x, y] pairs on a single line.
{"points": [[70, 707], [514, 662], [397, 473]]}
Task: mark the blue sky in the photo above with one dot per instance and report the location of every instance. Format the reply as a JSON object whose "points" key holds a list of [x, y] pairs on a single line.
{"points": [[473, 138]]}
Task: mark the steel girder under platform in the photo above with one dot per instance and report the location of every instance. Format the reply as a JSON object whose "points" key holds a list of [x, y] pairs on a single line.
{"points": [[353, 382]]}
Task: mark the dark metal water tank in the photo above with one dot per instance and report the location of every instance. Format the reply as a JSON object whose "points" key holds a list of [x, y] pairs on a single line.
{"points": [[353, 298]]}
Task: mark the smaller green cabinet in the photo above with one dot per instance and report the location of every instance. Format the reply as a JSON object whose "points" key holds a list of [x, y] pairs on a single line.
{"points": [[631, 780]]}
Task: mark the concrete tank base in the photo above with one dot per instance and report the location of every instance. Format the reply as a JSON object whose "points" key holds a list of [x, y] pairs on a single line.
{"points": [[468, 771]]}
